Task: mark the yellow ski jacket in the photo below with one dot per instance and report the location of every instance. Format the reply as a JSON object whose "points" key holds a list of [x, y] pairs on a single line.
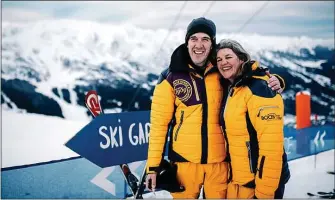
{"points": [[252, 121]]}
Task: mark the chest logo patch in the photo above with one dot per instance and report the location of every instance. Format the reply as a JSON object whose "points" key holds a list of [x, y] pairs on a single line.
{"points": [[183, 89]]}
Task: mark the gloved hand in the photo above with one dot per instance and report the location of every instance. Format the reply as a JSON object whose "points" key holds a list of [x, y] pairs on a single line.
{"points": [[166, 178]]}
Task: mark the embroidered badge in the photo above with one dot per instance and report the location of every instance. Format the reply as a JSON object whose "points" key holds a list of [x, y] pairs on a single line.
{"points": [[183, 89]]}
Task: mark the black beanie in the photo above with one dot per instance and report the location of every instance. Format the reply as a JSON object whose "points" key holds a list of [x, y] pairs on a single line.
{"points": [[201, 25]]}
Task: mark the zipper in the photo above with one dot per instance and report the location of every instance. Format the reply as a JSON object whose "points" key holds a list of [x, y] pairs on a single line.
{"points": [[181, 121], [204, 127], [225, 106], [265, 107], [195, 88], [230, 92], [261, 165], [249, 156], [223, 129]]}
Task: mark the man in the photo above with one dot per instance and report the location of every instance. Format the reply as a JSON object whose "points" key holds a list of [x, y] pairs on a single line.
{"points": [[189, 95]]}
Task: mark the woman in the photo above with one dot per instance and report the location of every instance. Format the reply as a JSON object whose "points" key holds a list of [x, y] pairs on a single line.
{"points": [[252, 122]]}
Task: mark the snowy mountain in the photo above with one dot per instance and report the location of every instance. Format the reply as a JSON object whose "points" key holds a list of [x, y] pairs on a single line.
{"points": [[48, 66]]}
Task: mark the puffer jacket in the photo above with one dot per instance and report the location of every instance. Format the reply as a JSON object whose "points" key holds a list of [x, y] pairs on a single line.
{"points": [[191, 102], [252, 121]]}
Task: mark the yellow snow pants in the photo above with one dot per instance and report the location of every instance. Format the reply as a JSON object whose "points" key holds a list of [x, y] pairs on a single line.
{"points": [[239, 192], [192, 176]]}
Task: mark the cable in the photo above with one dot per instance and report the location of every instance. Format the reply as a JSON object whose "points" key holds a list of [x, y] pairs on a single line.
{"points": [[171, 27], [169, 31], [158, 52], [209, 8], [251, 18], [176, 20]]}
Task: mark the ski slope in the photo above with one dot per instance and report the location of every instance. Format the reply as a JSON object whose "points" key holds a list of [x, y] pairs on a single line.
{"points": [[32, 138]]}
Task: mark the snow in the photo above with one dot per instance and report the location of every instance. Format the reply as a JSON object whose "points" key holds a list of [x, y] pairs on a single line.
{"points": [[298, 71], [296, 74], [289, 119], [89, 45], [322, 80], [319, 101], [312, 64], [11, 104], [31, 138], [257, 43], [304, 93], [71, 111], [78, 40], [308, 177]]}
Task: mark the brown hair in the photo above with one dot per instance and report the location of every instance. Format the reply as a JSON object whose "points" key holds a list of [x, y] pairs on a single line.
{"points": [[237, 48]]}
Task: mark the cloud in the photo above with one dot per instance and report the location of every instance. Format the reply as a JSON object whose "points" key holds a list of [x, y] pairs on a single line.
{"points": [[22, 15], [290, 17]]}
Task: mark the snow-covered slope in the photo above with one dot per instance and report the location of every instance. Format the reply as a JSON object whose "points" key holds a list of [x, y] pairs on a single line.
{"points": [[48, 66], [29, 138]]}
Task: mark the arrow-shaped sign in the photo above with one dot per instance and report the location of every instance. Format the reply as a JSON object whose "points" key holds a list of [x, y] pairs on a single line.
{"points": [[317, 137], [321, 139], [113, 139], [133, 166], [101, 180]]}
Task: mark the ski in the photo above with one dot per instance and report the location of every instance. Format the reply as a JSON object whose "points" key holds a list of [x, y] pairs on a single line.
{"points": [[141, 186], [330, 172], [93, 104], [323, 195]]}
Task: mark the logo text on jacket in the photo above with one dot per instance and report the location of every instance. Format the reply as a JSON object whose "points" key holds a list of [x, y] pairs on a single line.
{"points": [[271, 116], [183, 89]]}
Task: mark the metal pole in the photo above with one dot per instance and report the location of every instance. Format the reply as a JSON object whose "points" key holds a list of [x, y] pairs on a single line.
{"points": [[125, 189]]}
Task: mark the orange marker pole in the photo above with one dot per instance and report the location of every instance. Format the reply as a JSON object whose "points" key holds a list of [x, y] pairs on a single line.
{"points": [[303, 110], [303, 120]]}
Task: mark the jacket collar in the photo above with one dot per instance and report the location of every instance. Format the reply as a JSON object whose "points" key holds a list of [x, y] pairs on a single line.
{"points": [[250, 70], [180, 61]]}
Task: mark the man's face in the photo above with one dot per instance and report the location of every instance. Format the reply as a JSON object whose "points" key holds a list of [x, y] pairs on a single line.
{"points": [[199, 45]]}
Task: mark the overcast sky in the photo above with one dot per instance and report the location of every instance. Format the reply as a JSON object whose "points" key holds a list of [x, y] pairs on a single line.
{"points": [[283, 18]]}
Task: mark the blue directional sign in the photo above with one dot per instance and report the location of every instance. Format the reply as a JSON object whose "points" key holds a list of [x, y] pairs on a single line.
{"points": [[113, 139], [118, 138]]}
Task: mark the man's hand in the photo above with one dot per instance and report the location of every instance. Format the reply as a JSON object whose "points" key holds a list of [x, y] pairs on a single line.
{"points": [[152, 179], [274, 83]]}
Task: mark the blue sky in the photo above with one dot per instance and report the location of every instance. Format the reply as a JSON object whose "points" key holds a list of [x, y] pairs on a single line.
{"points": [[285, 18]]}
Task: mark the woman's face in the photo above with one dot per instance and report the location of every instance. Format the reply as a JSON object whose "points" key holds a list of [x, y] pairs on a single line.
{"points": [[228, 63]]}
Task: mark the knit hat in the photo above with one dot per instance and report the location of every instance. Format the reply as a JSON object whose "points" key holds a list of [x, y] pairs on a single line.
{"points": [[201, 25]]}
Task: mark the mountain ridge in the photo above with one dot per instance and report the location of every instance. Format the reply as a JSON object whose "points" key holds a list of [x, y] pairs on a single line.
{"points": [[61, 60]]}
